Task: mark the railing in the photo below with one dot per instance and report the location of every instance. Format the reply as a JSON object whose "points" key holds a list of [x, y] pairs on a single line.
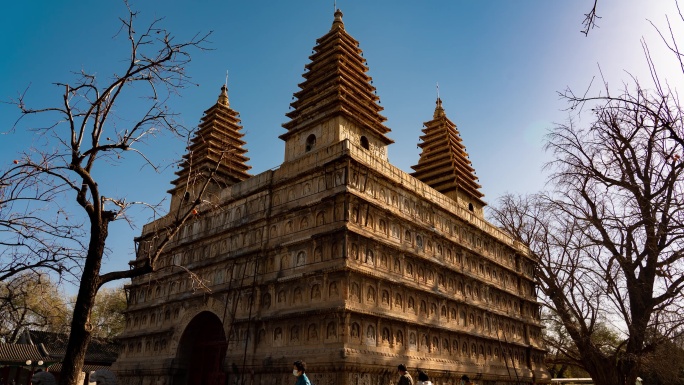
{"points": [[570, 381]]}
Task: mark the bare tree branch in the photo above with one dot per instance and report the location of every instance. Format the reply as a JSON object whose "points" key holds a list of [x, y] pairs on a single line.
{"points": [[590, 18]]}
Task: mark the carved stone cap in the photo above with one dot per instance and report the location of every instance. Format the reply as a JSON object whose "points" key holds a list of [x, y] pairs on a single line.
{"points": [[337, 23]]}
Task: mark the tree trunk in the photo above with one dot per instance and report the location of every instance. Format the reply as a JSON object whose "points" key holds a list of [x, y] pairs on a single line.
{"points": [[602, 371], [81, 329]]}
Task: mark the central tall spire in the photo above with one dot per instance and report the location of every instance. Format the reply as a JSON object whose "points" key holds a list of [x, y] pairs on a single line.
{"points": [[336, 101]]}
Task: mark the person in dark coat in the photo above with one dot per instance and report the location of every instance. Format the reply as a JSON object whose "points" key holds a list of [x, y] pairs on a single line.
{"points": [[405, 378], [423, 378]]}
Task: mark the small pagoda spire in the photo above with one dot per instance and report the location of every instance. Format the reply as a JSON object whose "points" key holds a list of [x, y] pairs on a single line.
{"points": [[338, 23], [444, 163], [215, 149], [439, 110], [223, 97]]}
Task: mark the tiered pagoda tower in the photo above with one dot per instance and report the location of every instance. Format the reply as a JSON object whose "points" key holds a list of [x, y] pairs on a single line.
{"points": [[337, 257], [337, 100], [215, 152], [444, 163]]}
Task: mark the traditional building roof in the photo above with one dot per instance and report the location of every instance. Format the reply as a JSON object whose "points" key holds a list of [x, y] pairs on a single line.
{"points": [[444, 163], [19, 354], [336, 84], [87, 368], [217, 145], [54, 345]]}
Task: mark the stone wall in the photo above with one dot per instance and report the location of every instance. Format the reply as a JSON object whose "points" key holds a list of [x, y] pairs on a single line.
{"points": [[342, 260]]}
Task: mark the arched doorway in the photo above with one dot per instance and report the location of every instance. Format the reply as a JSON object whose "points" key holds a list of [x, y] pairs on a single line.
{"points": [[201, 351]]}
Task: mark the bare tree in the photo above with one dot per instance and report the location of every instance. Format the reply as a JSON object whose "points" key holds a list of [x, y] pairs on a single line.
{"points": [[87, 133], [610, 237]]}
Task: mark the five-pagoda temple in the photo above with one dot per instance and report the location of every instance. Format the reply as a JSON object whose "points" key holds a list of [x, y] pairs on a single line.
{"points": [[336, 257]]}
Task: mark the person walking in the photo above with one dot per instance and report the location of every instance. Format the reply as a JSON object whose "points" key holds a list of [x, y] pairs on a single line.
{"points": [[423, 378], [405, 378], [299, 371]]}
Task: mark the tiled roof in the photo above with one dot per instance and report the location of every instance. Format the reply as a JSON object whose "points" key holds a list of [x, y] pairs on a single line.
{"points": [[57, 368], [55, 344], [50, 348], [20, 353], [102, 351]]}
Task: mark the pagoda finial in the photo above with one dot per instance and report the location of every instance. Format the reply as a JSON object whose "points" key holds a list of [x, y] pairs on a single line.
{"points": [[439, 110], [338, 23], [223, 98]]}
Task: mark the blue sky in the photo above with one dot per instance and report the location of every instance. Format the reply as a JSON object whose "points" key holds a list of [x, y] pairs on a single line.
{"points": [[499, 65]]}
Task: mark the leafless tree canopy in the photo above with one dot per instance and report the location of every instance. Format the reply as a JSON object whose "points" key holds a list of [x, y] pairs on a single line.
{"points": [[610, 236]]}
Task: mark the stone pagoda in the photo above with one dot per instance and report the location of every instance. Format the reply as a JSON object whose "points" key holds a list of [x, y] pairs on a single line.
{"points": [[216, 153], [336, 257], [444, 163]]}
